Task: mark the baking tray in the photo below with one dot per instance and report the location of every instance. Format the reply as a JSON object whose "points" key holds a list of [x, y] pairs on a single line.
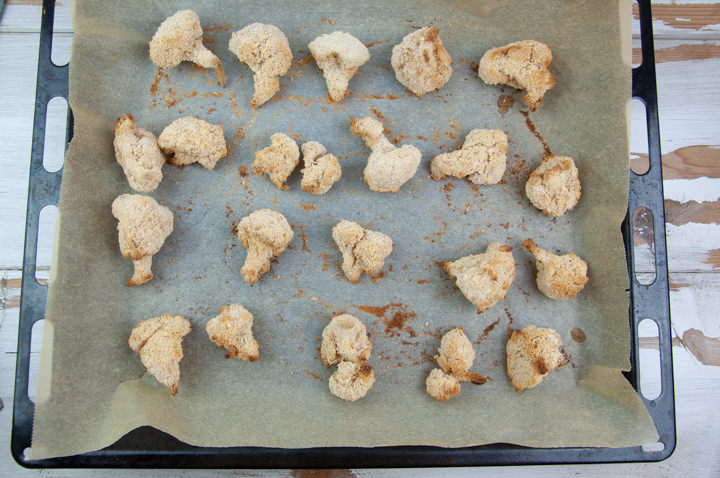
{"points": [[147, 447]]}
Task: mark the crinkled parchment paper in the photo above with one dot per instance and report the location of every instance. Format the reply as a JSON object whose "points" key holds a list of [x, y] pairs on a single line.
{"points": [[92, 386]]}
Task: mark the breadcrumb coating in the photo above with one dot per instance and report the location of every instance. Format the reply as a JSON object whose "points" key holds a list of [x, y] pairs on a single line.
{"points": [[338, 55], [531, 354], [278, 160], [420, 61], [143, 226], [232, 330], [351, 381], [522, 65], [159, 343], [558, 277], [554, 187], [178, 39], [388, 167], [137, 151], [441, 386], [345, 338], [481, 158], [265, 234], [266, 51], [190, 140], [321, 170], [363, 250], [484, 278]]}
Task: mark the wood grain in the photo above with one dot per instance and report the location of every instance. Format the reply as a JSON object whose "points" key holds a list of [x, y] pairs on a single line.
{"points": [[689, 17]]}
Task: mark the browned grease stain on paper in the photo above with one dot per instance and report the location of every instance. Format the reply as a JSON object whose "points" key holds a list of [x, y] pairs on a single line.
{"points": [[534, 131], [578, 335]]}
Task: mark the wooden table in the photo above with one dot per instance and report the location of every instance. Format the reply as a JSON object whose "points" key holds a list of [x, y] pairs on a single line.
{"points": [[687, 49]]}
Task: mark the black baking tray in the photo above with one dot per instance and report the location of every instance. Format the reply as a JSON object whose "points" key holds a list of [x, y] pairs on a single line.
{"points": [[147, 447]]}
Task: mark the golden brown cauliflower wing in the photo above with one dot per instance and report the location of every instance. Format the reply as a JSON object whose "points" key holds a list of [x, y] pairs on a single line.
{"points": [[351, 381], [421, 63], [159, 343], [484, 278], [345, 338], [441, 386], [388, 166], [338, 55], [178, 39], [143, 226], [531, 354], [137, 151], [363, 250], [554, 187], [481, 158], [232, 330], [266, 51], [558, 277], [191, 140], [265, 234], [278, 160], [321, 170], [522, 65]]}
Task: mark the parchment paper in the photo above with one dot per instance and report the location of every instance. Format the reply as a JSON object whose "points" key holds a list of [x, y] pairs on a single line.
{"points": [[92, 386]]}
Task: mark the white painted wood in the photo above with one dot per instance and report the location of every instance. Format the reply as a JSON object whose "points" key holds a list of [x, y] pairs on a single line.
{"points": [[699, 190]]}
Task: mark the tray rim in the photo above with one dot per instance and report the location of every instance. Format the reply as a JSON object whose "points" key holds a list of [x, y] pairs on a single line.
{"points": [[646, 301]]}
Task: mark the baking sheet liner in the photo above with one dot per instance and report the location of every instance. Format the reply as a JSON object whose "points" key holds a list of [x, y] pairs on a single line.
{"points": [[92, 387]]}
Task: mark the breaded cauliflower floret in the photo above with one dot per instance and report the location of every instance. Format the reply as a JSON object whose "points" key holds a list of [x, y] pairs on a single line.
{"points": [[338, 55], [522, 65], [278, 160], [321, 170], [388, 167], [421, 63], [554, 187], [345, 338], [143, 226], [456, 354], [265, 234], [558, 277], [265, 49], [178, 39], [232, 330], [531, 354], [351, 381], [363, 250], [441, 386], [137, 151], [484, 278], [159, 343], [481, 158], [191, 140], [455, 358]]}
